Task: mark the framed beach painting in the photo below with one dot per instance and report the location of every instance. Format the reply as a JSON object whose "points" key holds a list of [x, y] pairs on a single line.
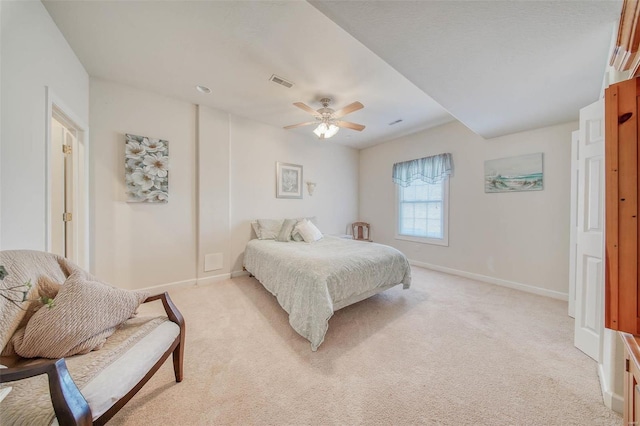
{"points": [[511, 174], [288, 180], [146, 169]]}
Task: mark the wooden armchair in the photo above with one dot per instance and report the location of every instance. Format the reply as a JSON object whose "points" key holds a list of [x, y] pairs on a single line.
{"points": [[68, 403], [70, 406], [360, 231]]}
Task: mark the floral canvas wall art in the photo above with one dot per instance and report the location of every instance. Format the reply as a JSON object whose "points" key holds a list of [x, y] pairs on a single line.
{"points": [[146, 169]]}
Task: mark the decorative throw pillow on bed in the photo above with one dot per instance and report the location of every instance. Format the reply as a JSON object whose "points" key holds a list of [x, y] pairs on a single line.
{"points": [[295, 235], [286, 230], [269, 228], [85, 314], [308, 231], [256, 228]]}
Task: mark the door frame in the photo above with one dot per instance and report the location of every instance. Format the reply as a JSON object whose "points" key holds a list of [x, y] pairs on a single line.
{"points": [[80, 179], [573, 222]]}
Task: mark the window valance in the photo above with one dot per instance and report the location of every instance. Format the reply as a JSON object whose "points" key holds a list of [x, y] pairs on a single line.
{"points": [[428, 169]]}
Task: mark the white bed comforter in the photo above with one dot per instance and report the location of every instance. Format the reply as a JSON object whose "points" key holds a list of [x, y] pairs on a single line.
{"points": [[308, 280]]}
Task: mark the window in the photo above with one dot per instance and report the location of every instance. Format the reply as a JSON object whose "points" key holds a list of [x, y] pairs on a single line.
{"points": [[423, 198], [423, 212]]}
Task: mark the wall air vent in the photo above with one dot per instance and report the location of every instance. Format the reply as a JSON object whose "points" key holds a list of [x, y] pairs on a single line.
{"points": [[281, 81], [399, 120]]}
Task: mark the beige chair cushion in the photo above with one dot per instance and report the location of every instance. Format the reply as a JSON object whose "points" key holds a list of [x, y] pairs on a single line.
{"points": [[86, 312]]}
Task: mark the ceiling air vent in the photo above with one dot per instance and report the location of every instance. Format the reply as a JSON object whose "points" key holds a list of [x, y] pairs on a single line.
{"points": [[281, 81], [399, 120]]}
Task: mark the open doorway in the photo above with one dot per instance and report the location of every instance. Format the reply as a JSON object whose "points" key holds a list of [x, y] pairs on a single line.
{"points": [[67, 200]]}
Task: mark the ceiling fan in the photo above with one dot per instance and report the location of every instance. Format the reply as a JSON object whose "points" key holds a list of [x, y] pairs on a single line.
{"points": [[327, 119]]}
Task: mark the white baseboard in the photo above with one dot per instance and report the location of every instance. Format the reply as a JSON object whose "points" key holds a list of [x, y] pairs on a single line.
{"points": [[239, 274], [157, 289], [491, 280], [161, 288], [611, 399], [214, 279]]}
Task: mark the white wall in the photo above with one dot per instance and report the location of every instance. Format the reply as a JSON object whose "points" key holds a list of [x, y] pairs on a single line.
{"points": [[255, 149], [214, 236], [222, 176], [138, 245], [519, 239], [34, 55]]}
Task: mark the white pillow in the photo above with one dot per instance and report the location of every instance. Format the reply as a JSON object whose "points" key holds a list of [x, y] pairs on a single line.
{"points": [[269, 228], [308, 231], [295, 235]]}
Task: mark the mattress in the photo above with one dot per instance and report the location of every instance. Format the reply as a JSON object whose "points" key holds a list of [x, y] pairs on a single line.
{"points": [[312, 280]]}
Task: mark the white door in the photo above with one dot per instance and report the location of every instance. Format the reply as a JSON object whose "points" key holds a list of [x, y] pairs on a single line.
{"points": [[573, 223], [69, 191], [58, 207], [589, 306], [63, 142]]}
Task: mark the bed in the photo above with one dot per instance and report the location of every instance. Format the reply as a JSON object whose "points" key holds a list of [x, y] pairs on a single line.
{"points": [[313, 280]]}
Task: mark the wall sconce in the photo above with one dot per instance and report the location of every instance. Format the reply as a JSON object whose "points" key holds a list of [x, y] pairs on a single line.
{"points": [[311, 186]]}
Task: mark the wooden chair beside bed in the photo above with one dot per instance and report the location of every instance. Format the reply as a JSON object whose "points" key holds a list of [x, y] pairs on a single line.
{"points": [[360, 231]]}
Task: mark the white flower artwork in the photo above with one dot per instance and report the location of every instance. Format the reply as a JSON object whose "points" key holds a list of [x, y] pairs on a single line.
{"points": [[146, 169]]}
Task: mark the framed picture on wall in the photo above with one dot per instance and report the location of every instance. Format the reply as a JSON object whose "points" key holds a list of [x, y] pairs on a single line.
{"points": [[520, 173], [288, 180]]}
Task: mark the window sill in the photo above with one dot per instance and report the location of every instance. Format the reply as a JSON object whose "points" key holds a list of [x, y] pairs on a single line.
{"points": [[432, 241]]}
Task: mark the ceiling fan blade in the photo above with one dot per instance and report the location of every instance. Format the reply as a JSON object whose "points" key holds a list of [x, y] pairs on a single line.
{"points": [[349, 125], [293, 126], [348, 109], [307, 108]]}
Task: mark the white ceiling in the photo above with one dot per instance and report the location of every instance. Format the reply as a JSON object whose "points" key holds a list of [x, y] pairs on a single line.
{"points": [[497, 66]]}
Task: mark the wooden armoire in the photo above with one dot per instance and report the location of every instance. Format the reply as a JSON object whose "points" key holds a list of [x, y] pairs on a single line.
{"points": [[622, 122], [622, 294]]}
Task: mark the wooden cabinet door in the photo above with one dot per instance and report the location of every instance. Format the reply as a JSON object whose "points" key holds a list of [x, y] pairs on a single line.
{"points": [[622, 102], [631, 375]]}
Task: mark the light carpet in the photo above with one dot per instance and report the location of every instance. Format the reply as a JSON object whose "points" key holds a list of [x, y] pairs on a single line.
{"points": [[448, 351]]}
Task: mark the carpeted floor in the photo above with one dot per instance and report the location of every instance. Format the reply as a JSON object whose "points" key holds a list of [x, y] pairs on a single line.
{"points": [[448, 351]]}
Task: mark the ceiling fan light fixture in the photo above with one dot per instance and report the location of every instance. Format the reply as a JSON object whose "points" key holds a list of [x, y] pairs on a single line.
{"points": [[333, 129], [320, 130], [327, 120], [325, 131]]}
